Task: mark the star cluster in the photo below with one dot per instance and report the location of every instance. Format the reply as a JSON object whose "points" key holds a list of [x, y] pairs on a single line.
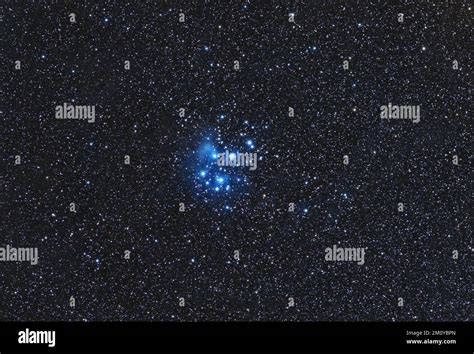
{"points": [[213, 180]]}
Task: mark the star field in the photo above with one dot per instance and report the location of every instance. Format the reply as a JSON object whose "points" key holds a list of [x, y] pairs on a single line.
{"points": [[211, 242]]}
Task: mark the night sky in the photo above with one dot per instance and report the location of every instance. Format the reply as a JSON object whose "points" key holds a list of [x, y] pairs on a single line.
{"points": [[182, 264]]}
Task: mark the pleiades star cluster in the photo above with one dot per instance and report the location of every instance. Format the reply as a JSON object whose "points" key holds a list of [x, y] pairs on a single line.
{"points": [[236, 160]]}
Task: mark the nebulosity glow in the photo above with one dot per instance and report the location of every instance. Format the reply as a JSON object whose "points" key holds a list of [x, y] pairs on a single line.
{"points": [[214, 180]]}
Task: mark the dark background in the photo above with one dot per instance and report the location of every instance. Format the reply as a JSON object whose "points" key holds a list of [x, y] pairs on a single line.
{"points": [[135, 207]]}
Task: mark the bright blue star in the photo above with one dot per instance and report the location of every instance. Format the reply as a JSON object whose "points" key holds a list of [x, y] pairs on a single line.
{"points": [[250, 143]]}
